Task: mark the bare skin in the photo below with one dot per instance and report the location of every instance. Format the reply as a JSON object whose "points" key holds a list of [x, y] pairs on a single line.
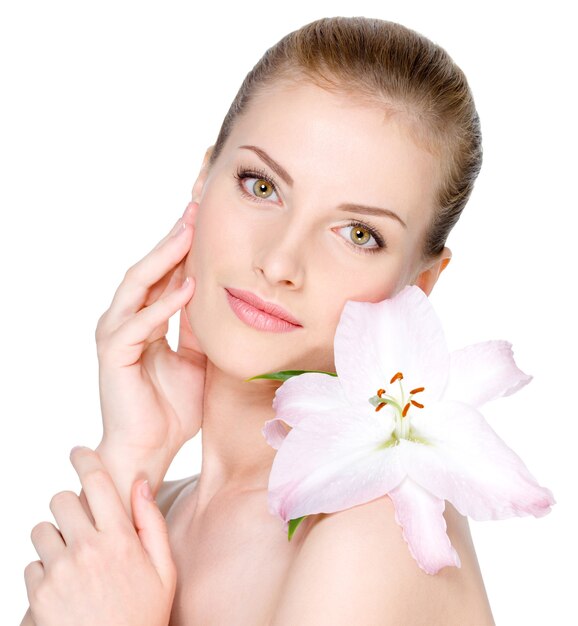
{"points": [[294, 248], [236, 551], [234, 562]]}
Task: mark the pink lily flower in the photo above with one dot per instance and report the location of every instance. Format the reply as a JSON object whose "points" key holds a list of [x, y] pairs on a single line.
{"points": [[400, 418]]}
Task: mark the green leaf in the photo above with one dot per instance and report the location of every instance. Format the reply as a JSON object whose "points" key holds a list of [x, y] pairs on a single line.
{"points": [[286, 374], [293, 525]]}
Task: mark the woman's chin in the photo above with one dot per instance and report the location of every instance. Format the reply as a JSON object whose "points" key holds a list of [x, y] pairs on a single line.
{"points": [[240, 355], [245, 367], [243, 364]]}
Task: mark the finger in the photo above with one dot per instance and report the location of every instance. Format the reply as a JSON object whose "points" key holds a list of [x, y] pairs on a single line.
{"points": [[101, 494], [189, 345], [132, 292], [152, 531], [73, 521], [47, 541], [188, 216], [33, 576], [141, 326]]}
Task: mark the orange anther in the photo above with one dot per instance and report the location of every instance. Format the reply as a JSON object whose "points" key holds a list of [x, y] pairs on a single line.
{"points": [[417, 390], [380, 392], [405, 409], [380, 406], [416, 404], [398, 376]]}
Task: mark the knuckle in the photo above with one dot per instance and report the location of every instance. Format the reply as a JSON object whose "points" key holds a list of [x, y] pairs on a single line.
{"points": [[40, 596], [60, 498], [97, 554], [30, 569], [128, 274], [100, 330], [131, 273], [97, 478], [39, 530], [103, 332], [43, 595], [87, 553], [39, 592], [59, 572], [102, 345]]}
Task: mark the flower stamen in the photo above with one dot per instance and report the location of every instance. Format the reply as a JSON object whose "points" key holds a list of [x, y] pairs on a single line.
{"points": [[402, 429]]}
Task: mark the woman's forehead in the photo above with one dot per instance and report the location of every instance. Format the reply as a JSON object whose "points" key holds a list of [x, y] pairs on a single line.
{"points": [[309, 117]]}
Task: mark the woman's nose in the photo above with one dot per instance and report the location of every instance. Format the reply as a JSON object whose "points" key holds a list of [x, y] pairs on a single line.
{"points": [[282, 258]]}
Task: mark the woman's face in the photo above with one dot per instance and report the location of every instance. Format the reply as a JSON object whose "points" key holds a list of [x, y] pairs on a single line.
{"points": [[284, 232]]}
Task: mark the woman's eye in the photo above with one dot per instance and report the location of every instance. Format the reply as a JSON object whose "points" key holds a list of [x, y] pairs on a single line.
{"points": [[256, 185], [261, 188], [360, 235]]}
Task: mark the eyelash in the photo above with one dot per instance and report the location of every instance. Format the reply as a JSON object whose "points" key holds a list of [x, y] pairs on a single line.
{"points": [[242, 173]]}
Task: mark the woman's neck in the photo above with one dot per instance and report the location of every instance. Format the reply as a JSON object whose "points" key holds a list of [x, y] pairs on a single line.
{"points": [[236, 456]]}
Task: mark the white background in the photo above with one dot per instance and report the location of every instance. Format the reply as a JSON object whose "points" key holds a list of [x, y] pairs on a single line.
{"points": [[106, 111]]}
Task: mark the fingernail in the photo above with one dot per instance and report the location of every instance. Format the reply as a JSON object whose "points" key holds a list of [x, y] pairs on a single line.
{"points": [[179, 228], [145, 490]]}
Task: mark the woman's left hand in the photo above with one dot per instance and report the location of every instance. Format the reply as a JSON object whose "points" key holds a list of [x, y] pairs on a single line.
{"points": [[102, 570]]}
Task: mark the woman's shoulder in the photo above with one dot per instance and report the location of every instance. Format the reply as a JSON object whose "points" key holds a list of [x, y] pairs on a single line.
{"points": [[170, 490], [359, 553]]}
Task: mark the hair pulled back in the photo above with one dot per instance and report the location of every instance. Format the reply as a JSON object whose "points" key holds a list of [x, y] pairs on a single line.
{"points": [[384, 64]]}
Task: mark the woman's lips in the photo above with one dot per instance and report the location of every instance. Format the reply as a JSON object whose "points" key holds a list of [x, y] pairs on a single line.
{"points": [[253, 315]]}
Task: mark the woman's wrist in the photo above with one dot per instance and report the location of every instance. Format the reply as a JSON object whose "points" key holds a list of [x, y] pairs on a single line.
{"points": [[126, 464]]}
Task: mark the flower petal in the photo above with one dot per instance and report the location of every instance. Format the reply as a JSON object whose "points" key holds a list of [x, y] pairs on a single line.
{"points": [[274, 432], [332, 461], [470, 466], [424, 527], [375, 340], [299, 397], [484, 371]]}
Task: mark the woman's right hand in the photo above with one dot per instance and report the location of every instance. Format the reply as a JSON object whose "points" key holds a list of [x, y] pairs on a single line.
{"points": [[151, 396]]}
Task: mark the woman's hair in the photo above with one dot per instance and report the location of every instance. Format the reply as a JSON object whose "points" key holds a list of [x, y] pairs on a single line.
{"points": [[387, 65]]}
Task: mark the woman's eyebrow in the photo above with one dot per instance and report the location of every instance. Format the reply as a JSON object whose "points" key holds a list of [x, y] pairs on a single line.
{"points": [[370, 210], [276, 167], [346, 206]]}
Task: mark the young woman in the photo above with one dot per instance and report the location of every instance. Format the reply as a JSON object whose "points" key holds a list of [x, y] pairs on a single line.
{"points": [[342, 165]]}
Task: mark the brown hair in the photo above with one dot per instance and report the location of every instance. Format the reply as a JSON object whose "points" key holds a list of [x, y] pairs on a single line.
{"points": [[385, 64]]}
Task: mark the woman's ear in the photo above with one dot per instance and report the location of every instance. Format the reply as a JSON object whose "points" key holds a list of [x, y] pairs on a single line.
{"points": [[199, 183], [428, 277]]}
